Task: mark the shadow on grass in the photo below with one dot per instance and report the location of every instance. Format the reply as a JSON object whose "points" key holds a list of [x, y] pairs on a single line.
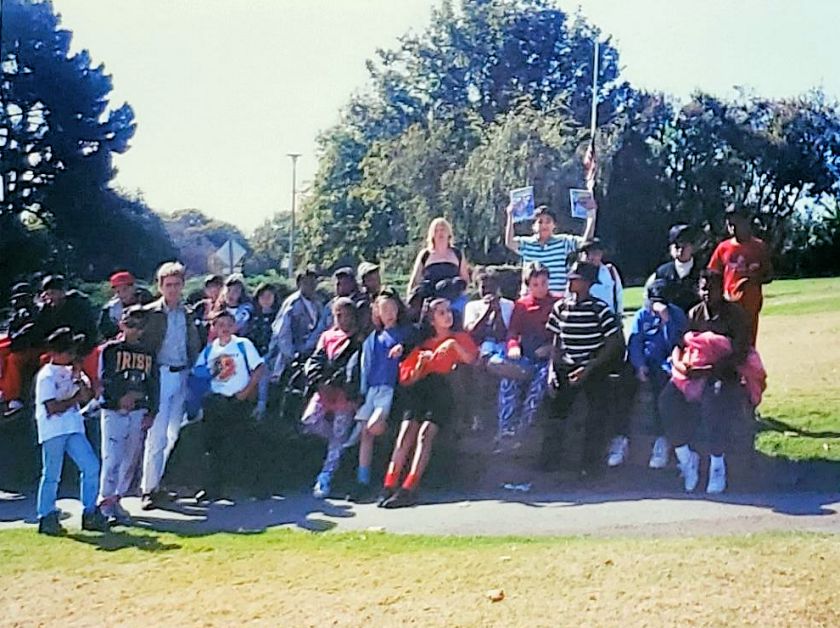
{"points": [[769, 424], [118, 540]]}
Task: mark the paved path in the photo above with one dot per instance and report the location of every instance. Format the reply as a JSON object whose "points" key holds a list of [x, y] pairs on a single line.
{"points": [[640, 514]]}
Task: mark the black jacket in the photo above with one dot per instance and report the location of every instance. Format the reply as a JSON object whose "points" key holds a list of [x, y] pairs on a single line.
{"points": [[128, 368], [75, 312], [342, 371], [682, 292]]}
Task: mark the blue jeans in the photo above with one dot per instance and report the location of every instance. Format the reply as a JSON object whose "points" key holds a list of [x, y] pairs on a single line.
{"points": [[262, 391], [80, 451]]}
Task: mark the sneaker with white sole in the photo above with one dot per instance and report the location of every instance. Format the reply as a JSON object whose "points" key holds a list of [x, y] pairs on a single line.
{"points": [[618, 451], [120, 515], [107, 510], [717, 478], [13, 407], [659, 454], [321, 490], [691, 472]]}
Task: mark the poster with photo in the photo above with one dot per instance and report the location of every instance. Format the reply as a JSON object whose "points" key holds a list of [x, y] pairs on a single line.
{"points": [[582, 201], [522, 201]]}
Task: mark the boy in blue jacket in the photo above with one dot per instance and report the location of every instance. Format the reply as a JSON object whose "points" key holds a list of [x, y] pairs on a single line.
{"points": [[657, 328]]}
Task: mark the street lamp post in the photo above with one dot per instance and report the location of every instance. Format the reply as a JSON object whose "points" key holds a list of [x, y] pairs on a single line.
{"points": [[294, 157]]}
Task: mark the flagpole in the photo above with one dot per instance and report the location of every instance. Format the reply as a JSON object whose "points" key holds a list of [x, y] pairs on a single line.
{"points": [[594, 118]]}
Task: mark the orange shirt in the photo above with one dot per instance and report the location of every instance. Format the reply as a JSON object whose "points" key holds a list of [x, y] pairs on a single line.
{"points": [[443, 362], [743, 265]]}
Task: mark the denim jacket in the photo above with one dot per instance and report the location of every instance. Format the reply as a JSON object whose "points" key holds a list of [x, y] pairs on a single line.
{"points": [[294, 331], [652, 341]]}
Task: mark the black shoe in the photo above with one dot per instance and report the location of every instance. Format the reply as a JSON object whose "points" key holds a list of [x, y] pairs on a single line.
{"points": [[384, 496], [401, 499], [148, 501], [95, 521], [50, 525], [14, 408], [361, 493]]}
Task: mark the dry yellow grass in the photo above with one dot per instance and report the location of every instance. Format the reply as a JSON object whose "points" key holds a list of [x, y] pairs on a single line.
{"points": [[297, 579]]}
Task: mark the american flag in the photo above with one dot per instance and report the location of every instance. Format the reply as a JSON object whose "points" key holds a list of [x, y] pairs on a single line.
{"points": [[590, 166]]}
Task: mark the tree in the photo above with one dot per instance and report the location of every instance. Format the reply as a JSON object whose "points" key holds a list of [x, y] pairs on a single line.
{"points": [[269, 244], [196, 237], [58, 133], [765, 155], [398, 154]]}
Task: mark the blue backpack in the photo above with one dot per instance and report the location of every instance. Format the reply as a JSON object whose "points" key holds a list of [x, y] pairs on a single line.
{"points": [[198, 382]]}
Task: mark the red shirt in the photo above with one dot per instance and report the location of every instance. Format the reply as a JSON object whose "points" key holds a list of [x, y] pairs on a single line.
{"points": [[441, 363], [743, 265], [334, 399], [527, 327]]}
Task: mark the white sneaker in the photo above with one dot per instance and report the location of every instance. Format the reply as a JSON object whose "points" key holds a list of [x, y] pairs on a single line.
{"points": [[659, 454], [717, 478], [321, 490], [618, 451], [691, 472]]}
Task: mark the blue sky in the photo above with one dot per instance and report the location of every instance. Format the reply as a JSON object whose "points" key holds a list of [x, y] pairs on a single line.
{"points": [[223, 89]]}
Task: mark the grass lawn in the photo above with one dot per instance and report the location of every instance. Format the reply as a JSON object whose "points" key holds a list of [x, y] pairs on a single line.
{"points": [[300, 579], [799, 341]]}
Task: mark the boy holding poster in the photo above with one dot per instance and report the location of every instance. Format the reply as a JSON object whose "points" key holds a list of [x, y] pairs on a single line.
{"points": [[546, 247]]}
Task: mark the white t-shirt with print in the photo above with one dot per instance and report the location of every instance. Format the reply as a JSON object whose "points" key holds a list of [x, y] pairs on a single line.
{"points": [[56, 383], [231, 373], [476, 308]]}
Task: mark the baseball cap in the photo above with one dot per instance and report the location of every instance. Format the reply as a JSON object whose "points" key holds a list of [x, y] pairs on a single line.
{"points": [[344, 271], [594, 244], [53, 282], [584, 270], [134, 311], [307, 271], [62, 340], [211, 280], [657, 290], [681, 233], [121, 278], [365, 268]]}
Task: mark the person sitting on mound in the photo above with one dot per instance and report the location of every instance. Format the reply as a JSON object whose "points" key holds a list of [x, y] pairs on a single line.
{"points": [[528, 349], [333, 372], [381, 354], [587, 346], [721, 397], [658, 327], [429, 400]]}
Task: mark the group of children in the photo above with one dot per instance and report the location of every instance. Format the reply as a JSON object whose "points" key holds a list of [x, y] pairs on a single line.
{"points": [[366, 359]]}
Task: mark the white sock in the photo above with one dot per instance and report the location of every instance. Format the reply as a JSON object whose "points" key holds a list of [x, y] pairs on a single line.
{"points": [[683, 453], [716, 462]]}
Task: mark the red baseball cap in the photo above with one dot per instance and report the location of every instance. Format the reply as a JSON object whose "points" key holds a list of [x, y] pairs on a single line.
{"points": [[122, 278]]}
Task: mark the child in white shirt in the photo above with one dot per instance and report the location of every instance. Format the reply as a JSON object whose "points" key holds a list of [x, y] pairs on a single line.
{"points": [[60, 390]]}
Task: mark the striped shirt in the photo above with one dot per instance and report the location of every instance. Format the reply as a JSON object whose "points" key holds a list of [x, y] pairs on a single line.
{"points": [[581, 329], [553, 255]]}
